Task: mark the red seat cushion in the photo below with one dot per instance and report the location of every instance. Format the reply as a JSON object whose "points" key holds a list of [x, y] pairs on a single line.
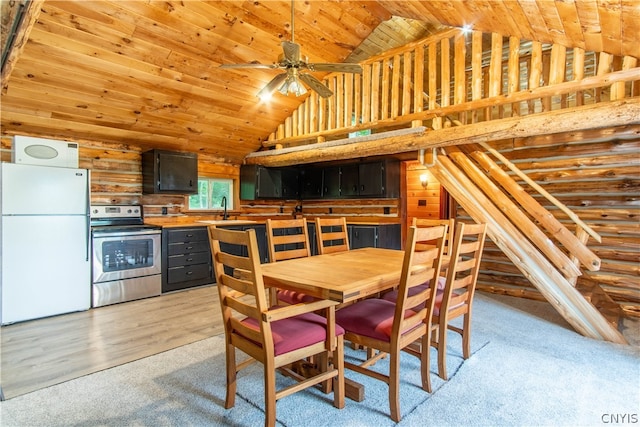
{"points": [[296, 332], [393, 295], [370, 317], [293, 297]]}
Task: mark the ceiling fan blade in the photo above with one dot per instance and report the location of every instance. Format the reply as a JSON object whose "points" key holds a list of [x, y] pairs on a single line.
{"points": [[316, 85], [336, 67], [250, 65], [272, 85], [291, 51]]}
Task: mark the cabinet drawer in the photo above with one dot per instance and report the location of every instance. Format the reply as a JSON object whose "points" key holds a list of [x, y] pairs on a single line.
{"points": [[192, 272], [188, 247], [188, 259], [191, 235]]}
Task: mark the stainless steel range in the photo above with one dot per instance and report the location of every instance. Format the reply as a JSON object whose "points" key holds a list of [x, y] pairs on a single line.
{"points": [[126, 255]]}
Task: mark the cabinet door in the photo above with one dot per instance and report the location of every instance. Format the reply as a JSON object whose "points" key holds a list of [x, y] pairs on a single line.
{"points": [[331, 182], [389, 236], [261, 237], [290, 183], [349, 180], [371, 179], [311, 183], [363, 236], [177, 172], [269, 183], [169, 172]]}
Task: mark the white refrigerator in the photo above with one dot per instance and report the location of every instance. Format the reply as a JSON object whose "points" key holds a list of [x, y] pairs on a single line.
{"points": [[45, 233]]}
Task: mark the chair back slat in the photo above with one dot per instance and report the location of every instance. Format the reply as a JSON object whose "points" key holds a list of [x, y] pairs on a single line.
{"points": [[239, 281], [429, 222], [418, 268], [332, 235], [287, 239], [464, 266]]}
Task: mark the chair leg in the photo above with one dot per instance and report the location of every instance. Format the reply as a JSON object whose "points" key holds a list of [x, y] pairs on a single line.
{"points": [[321, 363], [338, 381], [230, 399], [394, 387], [442, 352], [270, 397], [466, 336], [425, 362]]}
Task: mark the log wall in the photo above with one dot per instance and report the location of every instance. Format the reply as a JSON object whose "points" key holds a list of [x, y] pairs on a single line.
{"points": [[597, 175]]}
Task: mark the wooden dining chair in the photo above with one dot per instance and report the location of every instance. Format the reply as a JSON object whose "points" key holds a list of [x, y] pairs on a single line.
{"points": [[459, 288], [430, 222], [274, 337], [390, 327], [332, 235], [288, 239]]}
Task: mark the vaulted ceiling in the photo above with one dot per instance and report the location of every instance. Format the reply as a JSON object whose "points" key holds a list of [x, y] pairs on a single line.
{"points": [[146, 72]]}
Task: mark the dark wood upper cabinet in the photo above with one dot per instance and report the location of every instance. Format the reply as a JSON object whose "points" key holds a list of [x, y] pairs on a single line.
{"points": [[311, 182], [371, 179], [290, 183], [169, 172], [258, 182], [331, 182], [349, 181]]}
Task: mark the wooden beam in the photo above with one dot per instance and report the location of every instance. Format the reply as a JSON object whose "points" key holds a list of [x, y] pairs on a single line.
{"points": [[582, 315], [22, 35], [593, 116], [350, 148], [514, 214]]}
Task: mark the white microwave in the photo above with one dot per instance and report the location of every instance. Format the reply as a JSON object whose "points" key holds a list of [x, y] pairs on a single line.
{"points": [[44, 152]]}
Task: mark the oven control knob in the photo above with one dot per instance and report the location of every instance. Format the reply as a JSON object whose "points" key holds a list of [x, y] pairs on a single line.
{"points": [[129, 211], [95, 211]]}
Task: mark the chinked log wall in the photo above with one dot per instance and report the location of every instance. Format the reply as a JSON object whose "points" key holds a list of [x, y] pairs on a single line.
{"points": [[491, 92]]}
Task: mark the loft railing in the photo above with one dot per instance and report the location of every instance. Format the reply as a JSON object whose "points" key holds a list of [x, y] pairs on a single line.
{"points": [[459, 77]]}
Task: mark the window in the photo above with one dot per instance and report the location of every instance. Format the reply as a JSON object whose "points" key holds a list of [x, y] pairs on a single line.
{"points": [[210, 194]]}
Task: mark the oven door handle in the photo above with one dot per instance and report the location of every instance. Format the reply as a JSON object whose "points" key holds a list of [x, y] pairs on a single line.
{"points": [[125, 233]]}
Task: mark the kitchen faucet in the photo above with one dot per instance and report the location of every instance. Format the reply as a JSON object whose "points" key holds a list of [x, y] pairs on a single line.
{"points": [[224, 205]]}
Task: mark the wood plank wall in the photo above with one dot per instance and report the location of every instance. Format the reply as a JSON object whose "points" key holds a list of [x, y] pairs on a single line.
{"points": [[421, 202], [597, 175]]}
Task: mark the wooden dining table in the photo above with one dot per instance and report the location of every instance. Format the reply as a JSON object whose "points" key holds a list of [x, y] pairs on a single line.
{"points": [[340, 276]]}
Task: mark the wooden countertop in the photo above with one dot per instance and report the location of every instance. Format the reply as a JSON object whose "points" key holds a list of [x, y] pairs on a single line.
{"points": [[189, 221]]}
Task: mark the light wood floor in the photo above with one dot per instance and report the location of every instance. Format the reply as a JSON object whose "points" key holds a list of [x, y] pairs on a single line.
{"points": [[43, 352]]}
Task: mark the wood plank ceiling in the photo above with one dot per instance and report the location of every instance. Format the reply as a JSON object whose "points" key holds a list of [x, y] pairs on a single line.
{"points": [[146, 73]]}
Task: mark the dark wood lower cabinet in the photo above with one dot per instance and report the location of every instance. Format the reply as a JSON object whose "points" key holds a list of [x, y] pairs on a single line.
{"points": [[375, 236], [186, 253], [186, 258]]}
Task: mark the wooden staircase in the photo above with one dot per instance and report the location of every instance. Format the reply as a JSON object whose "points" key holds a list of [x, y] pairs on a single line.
{"points": [[541, 247]]}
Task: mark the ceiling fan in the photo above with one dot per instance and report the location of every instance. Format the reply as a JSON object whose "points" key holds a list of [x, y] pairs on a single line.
{"points": [[294, 65]]}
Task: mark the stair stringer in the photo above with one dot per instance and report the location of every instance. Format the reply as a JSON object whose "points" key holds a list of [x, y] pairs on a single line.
{"points": [[556, 289]]}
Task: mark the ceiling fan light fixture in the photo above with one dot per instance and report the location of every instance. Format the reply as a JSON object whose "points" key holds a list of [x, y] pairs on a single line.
{"points": [[292, 86]]}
